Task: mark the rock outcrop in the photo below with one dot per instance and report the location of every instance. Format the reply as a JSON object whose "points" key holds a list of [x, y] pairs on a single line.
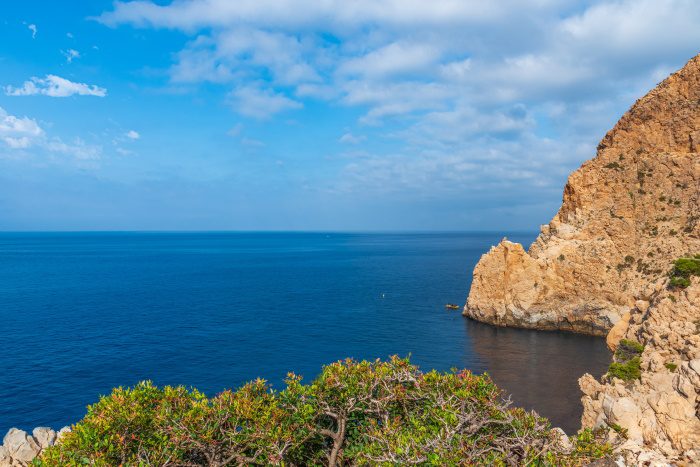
{"points": [[19, 448], [655, 419], [626, 215]]}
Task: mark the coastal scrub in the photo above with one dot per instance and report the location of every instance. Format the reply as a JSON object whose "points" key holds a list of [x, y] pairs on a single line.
{"points": [[353, 413]]}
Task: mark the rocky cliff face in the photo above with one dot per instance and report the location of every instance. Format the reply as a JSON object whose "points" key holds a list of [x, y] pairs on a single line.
{"points": [[626, 215], [657, 417]]}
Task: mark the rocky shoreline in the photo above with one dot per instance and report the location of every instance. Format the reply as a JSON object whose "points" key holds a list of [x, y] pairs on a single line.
{"points": [[654, 419], [19, 448]]}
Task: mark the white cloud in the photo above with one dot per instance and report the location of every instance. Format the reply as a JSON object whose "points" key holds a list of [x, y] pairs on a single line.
{"points": [[349, 138], [78, 149], [70, 54], [393, 59], [18, 132], [70, 35], [33, 29], [255, 102], [55, 86], [526, 88], [192, 14], [133, 135]]}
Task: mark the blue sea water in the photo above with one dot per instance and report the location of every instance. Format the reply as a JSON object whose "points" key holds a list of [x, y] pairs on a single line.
{"points": [[81, 313]]}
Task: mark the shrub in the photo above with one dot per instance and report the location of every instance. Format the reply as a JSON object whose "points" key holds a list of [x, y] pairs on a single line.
{"points": [[683, 269], [627, 349], [353, 413], [627, 366], [627, 371], [671, 366]]}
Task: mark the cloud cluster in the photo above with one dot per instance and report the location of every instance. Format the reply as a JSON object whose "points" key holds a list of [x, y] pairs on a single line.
{"points": [[23, 133], [18, 132], [55, 86], [474, 94]]}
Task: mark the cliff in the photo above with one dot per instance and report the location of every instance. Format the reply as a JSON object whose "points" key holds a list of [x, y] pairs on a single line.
{"points": [[626, 215], [656, 416]]}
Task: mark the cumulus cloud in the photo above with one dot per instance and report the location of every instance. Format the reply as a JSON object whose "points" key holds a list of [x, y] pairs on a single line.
{"points": [[260, 103], [132, 135], [18, 132], [55, 86]]}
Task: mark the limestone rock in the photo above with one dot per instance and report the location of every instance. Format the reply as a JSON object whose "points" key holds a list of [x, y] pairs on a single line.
{"points": [[44, 436], [5, 458], [660, 411], [626, 215], [20, 446], [617, 331]]}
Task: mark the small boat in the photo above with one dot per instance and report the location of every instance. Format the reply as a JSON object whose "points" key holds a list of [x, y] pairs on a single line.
{"points": [[452, 306]]}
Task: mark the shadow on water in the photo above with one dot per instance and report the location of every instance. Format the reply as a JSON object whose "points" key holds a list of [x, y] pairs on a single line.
{"points": [[540, 369]]}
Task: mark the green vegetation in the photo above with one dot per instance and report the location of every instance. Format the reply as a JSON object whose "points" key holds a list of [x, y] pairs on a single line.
{"points": [[671, 366], [627, 349], [613, 165], [353, 413], [627, 366], [627, 371], [683, 269], [618, 429]]}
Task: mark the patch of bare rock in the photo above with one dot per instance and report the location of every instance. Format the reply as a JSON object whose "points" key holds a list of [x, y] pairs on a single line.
{"points": [[19, 448]]}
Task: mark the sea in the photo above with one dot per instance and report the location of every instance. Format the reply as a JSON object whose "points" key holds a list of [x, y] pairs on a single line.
{"points": [[81, 313]]}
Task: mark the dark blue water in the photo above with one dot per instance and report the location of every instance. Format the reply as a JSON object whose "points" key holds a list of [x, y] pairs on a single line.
{"points": [[81, 313]]}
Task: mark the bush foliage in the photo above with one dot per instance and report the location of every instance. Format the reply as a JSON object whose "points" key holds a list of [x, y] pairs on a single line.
{"points": [[683, 269], [627, 366], [353, 413]]}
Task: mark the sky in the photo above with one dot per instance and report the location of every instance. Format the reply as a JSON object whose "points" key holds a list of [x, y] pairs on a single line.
{"points": [[362, 115]]}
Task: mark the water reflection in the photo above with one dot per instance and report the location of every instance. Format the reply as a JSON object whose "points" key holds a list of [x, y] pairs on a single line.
{"points": [[540, 369]]}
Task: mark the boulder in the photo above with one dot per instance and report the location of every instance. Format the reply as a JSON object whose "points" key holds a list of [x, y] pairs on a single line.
{"points": [[21, 446], [44, 437]]}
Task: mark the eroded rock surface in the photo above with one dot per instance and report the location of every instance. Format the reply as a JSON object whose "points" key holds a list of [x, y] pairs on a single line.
{"points": [[626, 215], [659, 414]]}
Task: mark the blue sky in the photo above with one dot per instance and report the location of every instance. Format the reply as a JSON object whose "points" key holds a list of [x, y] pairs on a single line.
{"points": [[316, 114]]}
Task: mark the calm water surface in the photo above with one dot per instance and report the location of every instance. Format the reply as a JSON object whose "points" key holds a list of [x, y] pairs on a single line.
{"points": [[81, 313]]}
